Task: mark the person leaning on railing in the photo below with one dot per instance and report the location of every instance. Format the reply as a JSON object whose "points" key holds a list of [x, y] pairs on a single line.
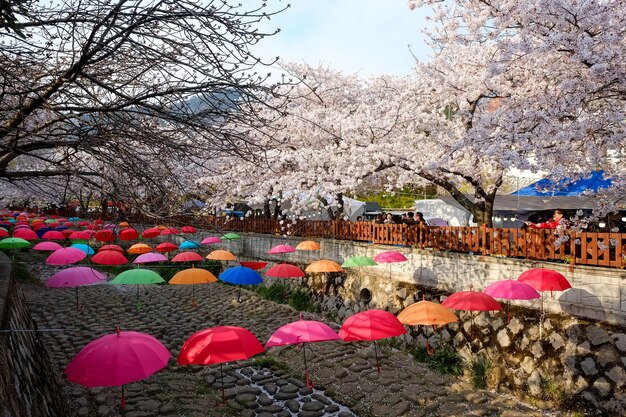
{"points": [[557, 219]]}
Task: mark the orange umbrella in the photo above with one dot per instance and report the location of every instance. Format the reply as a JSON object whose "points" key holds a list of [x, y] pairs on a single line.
{"points": [[221, 255], [427, 313], [192, 276], [124, 224], [308, 245], [324, 265], [139, 248]]}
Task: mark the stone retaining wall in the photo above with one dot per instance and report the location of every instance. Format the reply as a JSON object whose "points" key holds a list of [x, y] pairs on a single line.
{"points": [[576, 353], [28, 384]]}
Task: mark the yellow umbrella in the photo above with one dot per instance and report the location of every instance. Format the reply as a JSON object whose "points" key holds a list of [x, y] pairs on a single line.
{"points": [[139, 248], [221, 255], [192, 276], [324, 266], [308, 245]]}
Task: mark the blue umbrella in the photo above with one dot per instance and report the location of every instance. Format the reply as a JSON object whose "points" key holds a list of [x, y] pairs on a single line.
{"points": [[61, 228], [84, 247], [189, 244], [74, 219], [241, 275]]}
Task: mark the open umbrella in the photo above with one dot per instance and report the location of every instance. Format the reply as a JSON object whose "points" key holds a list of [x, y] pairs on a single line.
{"points": [[221, 255], [281, 249], [166, 247], [150, 233], [230, 236], [14, 243], [26, 234], [187, 257], [257, 266], [83, 234], [427, 313], [218, 345], [189, 244], [137, 277], [284, 271], [53, 235], [302, 331], [308, 245], [240, 275], [510, 289], [358, 261], [371, 325], [210, 240], [149, 258], [389, 257], [323, 265], [188, 229], [109, 257], [471, 301], [84, 247], [4, 233], [106, 236], [117, 359], [139, 248], [193, 276], [128, 234], [66, 256], [75, 277], [542, 280], [47, 246], [116, 248]]}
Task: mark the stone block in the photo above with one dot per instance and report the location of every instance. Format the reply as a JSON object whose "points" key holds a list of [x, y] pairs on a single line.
{"points": [[588, 365], [606, 355], [537, 350], [534, 383], [528, 365], [556, 340], [617, 375], [597, 335], [503, 338], [620, 341], [603, 387]]}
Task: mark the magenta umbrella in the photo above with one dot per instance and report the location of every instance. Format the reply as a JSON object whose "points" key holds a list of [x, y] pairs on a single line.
{"points": [[371, 325], [302, 331], [66, 256], [510, 289], [75, 277], [149, 258], [281, 249], [389, 257], [47, 246], [210, 240], [117, 359]]}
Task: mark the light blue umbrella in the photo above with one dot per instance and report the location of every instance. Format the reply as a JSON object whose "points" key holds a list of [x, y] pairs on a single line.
{"points": [[189, 244], [84, 247]]}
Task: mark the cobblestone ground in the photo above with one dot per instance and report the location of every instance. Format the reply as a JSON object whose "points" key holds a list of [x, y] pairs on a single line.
{"points": [[346, 380]]}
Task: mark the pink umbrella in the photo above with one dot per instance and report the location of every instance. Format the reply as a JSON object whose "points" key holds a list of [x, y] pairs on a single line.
{"points": [[47, 246], [116, 248], [510, 289], [117, 359], [75, 277], [210, 240], [150, 257], [389, 257], [53, 235], [188, 257], [26, 234], [83, 234], [371, 325], [66, 256], [302, 331], [188, 229], [281, 249]]}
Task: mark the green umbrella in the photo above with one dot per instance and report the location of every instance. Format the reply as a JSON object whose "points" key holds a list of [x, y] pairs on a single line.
{"points": [[357, 261], [230, 236], [14, 243], [138, 277]]}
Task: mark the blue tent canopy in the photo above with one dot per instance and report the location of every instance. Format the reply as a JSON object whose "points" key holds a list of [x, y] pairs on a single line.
{"points": [[565, 187]]}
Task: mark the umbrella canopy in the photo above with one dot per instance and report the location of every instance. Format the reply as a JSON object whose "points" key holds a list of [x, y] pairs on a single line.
{"points": [[139, 248], [75, 277], [324, 266], [358, 261], [192, 276], [150, 233], [116, 248], [510, 289], [66, 256], [4, 233], [221, 255], [371, 325], [301, 331], [14, 243], [84, 247], [188, 229], [240, 275], [544, 280], [170, 231], [137, 276], [26, 234], [281, 249], [230, 236], [390, 257], [117, 359], [128, 234], [53, 235], [149, 258], [308, 245], [426, 313], [189, 244], [284, 271], [257, 266], [109, 257], [82, 234], [472, 301], [123, 224], [188, 257], [47, 246], [219, 344], [105, 236], [210, 240], [166, 247]]}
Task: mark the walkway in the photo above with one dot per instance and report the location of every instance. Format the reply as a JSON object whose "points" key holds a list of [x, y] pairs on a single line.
{"points": [[345, 375]]}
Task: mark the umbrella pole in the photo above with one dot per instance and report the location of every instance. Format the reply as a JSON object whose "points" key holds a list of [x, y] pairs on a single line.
{"points": [[306, 368], [239, 295], [123, 403], [376, 356], [194, 303], [76, 292], [222, 377], [137, 305]]}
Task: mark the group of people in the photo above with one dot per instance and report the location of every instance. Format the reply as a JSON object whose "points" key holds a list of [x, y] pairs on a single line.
{"points": [[409, 218]]}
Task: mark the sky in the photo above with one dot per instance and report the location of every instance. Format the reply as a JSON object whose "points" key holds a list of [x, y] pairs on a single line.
{"points": [[368, 37]]}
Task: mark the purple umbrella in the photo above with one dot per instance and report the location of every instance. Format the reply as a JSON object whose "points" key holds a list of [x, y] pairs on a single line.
{"points": [[75, 277]]}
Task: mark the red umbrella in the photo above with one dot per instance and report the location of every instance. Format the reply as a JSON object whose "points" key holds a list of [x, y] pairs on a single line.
{"points": [[186, 257], [256, 266], [371, 325], [545, 280], [53, 235], [217, 345], [166, 247], [128, 234], [117, 359], [150, 233], [188, 229], [83, 223], [4, 233], [284, 271], [83, 234], [25, 234], [302, 331], [109, 257], [472, 301], [106, 236], [170, 231], [116, 248], [67, 233]]}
